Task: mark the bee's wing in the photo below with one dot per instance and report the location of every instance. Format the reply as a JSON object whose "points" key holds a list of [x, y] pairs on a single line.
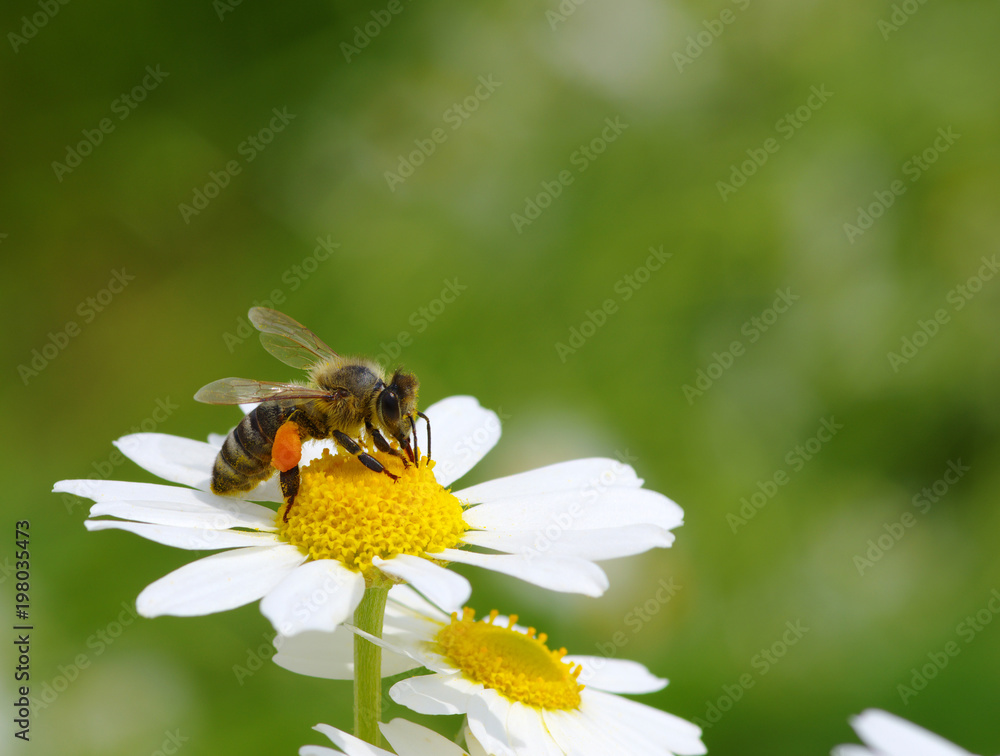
{"points": [[249, 391], [289, 340]]}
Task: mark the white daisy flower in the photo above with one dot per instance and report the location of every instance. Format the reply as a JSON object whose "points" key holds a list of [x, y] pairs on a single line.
{"points": [[888, 735], [350, 526], [406, 739], [520, 697]]}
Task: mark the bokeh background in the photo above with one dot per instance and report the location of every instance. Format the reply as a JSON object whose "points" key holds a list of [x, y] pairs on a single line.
{"points": [[839, 156]]}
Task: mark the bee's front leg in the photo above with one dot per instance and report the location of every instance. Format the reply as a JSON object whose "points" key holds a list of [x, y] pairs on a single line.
{"points": [[352, 447], [384, 446]]}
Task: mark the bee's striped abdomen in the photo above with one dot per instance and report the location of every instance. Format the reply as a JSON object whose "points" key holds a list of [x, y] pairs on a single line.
{"points": [[245, 458]]}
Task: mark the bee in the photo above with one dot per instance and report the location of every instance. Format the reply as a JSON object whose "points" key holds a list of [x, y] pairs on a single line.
{"points": [[344, 399]]}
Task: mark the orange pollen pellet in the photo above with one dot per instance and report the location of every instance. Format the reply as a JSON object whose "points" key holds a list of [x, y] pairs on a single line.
{"points": [[287, 449]]}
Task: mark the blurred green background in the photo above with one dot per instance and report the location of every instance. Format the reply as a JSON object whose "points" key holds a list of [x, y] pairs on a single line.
{"points": [[747, 134]]}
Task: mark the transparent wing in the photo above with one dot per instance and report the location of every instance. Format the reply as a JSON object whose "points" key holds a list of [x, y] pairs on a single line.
{"points": [[249, 391], [289, 340]]}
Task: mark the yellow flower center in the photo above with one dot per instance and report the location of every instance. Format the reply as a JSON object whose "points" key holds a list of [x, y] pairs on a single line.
{"points": [[345, 511], [519, 666]]}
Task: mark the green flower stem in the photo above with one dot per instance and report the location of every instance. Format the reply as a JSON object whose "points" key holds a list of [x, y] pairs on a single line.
{"points": [[368, 665]]}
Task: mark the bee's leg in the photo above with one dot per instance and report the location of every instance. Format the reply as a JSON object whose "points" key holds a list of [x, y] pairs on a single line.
{"points": [[383, 446], [366, 459], [289, 487], [286, 452]]}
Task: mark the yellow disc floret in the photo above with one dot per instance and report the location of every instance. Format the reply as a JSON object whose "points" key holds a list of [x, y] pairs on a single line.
{"points": [[519, 666], [345, 511]]}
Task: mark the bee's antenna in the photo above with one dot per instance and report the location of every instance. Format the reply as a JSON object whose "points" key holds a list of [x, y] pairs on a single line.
{"points": [[428, 420]]}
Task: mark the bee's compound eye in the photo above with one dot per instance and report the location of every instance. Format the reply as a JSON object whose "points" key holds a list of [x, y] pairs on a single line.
{"points": [[388, 405]]}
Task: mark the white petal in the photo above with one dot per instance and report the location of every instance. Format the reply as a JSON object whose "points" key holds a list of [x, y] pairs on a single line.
{"points": [[183, 515], [269, 490], [187, 538], [462, 432], [330, 655], [314, 750], [349, 744], [318, 595], [887, 733], [616, 675], [575, 510], [525, 725], [405, 596], [413, 740], [557, 573], [179, 460], [594, 720], [414, 645], [123, 490], [851, 750], [473, 746], [313, 449], [434, 694], [219, 582], [569, 730], [487, 717], [598, 544], [587, 477], [442, 587], [671, 732], [168, 505], [317, 654]]}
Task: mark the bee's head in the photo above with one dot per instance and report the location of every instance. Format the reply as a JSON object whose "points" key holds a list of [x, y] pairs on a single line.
{"points": [[397, 408]]}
